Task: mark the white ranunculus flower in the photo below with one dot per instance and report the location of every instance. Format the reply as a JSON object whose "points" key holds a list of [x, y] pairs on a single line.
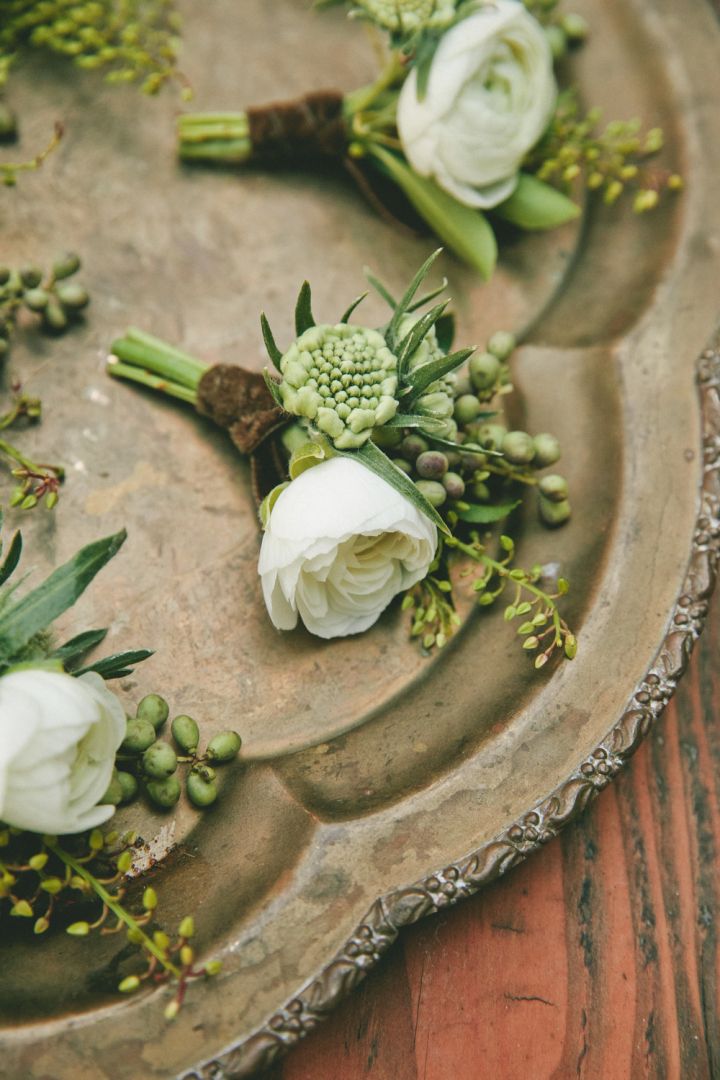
{"points": [[339, 545], [490, 97], [58, 738]]}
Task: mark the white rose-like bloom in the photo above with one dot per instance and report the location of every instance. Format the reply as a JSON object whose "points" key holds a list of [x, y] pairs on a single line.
{"points": [[339, 545], [58, 739], [490, 96]]}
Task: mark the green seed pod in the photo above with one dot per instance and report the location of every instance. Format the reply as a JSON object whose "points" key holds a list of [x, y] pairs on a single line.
{"points": [[547, 450], [462, 382], [454, 458], [502, 344], [73, 296], [186, 733], [553, 513], [154, 709], [434, 492], [387, 438], [518, 447], [66, 265], [201, 792], [471, 461], [138, 737], [466, 409], [30, 276], [454, 485], [36, 299], [491, 436], [159, 761], [413, 446], [206, 771], [554, 487], [480, 491], [54, 318], [129, 786], [224, 747], [164, 793], [403, 465], [557, 40], [575, 26], [114, 793], [432, 465], [484, 370]]}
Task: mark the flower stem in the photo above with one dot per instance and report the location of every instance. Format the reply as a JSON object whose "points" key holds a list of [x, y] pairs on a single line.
{"points": [[143, 351], [222, 137], [117, 909], [361, 99], [118, 370]]}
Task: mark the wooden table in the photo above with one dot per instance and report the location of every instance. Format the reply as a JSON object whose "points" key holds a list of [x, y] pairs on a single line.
{"points": [[598, 958]]}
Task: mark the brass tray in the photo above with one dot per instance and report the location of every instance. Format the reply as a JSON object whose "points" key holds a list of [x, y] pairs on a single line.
{"points": [[376, 786]]}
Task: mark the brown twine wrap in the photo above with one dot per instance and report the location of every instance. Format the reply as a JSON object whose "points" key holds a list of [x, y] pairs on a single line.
{"points": [[310, 127], [239, 401]]}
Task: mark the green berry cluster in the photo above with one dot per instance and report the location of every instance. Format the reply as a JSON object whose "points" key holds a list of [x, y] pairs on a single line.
{"points": [[611, 160], [50, 296], [49, 883], [132, 40], [151, 763]]}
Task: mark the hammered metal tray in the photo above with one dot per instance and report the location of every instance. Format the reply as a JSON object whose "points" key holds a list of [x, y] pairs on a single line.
{"points": [[376, 786]]}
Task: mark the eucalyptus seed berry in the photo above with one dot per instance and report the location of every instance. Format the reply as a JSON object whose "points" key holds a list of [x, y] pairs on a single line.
{"points": [[413, 446], [36, 299], [403, 465], [484, 370], [387, 438], [154, 709], [502, 344], [431, 465], [462, 383], [73, 296], [66, 265], [30, 276], [480, 491], [554, 513], [164, 793], [453, 458], [466, 409], [129, 786], [434, 492], [454, 485], [554, 487], [518, 447], [547, 450], [54, 318], [557, 40], [114, 793], [575, 26], [472, 461], [186, 733], [201, 792], [491, 436], [159, 761], [224, 747], [138, 737]]}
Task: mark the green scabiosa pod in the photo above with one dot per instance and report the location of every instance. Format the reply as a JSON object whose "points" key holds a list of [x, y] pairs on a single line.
{"points": [[408, 15]]}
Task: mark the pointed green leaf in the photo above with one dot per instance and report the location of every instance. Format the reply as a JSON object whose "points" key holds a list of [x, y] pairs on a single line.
{"points": [[445, 331], [472, 448], [272, 349], [381, 289], [407, 298], [77, 646], [12, 558], [537, 205], [415, 420], [423, 376], [303, 310], [36, 611], [273, 388], [117, 665], [486, 515], [463, 229], [415, 335], [356, 302], [429, 296], [374, 459]]}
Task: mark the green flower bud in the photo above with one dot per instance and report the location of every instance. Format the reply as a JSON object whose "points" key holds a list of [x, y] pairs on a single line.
{"points": [[36, 299], [432, 465], [466, 410], [164, 793], [491, 436], [454, 485], [554, 487], [201, 792], [575, 26], [518, 447], [30, 276], [73, 296], [355, 396], [138, 737], [408, 16], [554, 513], [502, 344], [547, 450], [413, 446], [66, 265], [54, 318], [186, 929], [484, 370], [154, 709], [186, 733], [434, 492], [114, 793], [224, 747], [159, 761]]}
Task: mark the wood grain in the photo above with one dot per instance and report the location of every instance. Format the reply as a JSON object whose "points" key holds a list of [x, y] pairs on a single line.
{"points": [[596, 959]]}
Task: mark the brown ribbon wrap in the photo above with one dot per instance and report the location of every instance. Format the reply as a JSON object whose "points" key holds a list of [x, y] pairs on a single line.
{"points": [[312, 126]]}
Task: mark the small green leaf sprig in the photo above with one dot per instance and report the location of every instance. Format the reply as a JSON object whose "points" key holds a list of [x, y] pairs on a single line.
{"points": [[80, 885], [610, 160], [148, 763]]}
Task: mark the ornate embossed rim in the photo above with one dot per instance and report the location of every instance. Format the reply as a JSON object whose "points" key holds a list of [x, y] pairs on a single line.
{"points": [[382, 924]]}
